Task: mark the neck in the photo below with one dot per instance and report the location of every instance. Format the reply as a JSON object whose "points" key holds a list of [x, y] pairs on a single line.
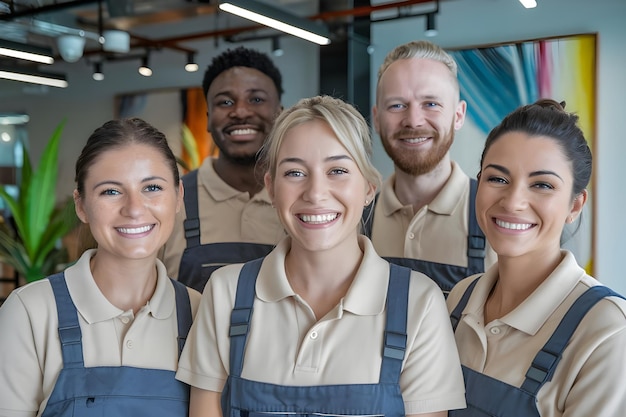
{"points": [[323, 278], [128, 285], [420, 190], [245, 178], [518, 278]]}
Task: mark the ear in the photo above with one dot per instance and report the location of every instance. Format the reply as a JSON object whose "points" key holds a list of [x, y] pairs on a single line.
{"points": [[577, 206], [79, 208], [180, 196], [269, 185], [370, 192], [459, 114], [375, 119]]}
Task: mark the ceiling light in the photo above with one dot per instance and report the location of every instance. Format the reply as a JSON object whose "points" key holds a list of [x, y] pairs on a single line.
{"points": [[33, 76], [98, 75], [71, 47], [529, 4], [431, 30], [276, 48], [24, 51], [116, 41], [277, 19], [191, 65], [144, 69]]}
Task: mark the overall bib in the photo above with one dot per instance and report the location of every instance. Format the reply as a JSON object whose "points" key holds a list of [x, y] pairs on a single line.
{"points": [[489, 397], [199, 261], [113, 391], [246, 398], [444, 275]]}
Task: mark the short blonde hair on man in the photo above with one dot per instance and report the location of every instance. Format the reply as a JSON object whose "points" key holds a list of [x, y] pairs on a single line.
{"points": [[418, 50], [346, 122]]}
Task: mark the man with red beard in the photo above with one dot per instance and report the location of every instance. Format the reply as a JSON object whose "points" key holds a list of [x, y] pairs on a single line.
{"points": [[424, 215], [228, 216]]}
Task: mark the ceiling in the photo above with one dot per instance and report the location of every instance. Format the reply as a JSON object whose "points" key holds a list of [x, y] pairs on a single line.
{"points": [[174, 25]]}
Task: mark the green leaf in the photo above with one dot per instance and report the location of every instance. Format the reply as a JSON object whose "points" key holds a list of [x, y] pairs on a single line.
{"points": [[40, 196]]}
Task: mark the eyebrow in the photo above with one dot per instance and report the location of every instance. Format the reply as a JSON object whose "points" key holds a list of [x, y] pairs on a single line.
{"points": [[327, 159], [119, 184], [532, 174], [229, 93]]}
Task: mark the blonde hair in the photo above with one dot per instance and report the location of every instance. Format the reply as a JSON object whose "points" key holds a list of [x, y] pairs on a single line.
{"points": [[346, 122], [419, 50]]}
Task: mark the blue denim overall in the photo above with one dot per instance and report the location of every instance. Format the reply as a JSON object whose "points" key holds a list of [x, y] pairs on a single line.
{"points": [[113, 391], [444, 275], [199, 261], [489, 397], [246, 398]]}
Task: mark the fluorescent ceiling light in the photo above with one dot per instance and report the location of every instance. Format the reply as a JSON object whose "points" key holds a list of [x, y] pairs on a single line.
{"points": [[25, 51], [278, 19], [529, 4], [34, 77]]}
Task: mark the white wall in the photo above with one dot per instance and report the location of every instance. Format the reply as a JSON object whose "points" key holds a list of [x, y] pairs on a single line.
{"points": [[463, 23]]}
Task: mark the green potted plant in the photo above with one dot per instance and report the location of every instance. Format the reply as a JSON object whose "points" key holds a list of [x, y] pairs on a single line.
{"points": [[31, 244]]}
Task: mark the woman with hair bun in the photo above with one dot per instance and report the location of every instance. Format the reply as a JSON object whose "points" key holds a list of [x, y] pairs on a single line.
{"points": [[536, 335]]}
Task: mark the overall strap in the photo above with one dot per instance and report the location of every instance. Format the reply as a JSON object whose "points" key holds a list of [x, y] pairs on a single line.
{"points": [[183, 313], [475, 237], [69, 328], [455, 316], [395, 327], [544, 364], [192, 222], [242, 313]]}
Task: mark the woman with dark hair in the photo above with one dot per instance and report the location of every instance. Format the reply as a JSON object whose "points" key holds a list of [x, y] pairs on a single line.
{"points": [[537, 336], [103, 337]]}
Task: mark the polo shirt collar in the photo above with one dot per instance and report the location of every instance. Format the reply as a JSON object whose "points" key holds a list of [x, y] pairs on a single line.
{"points": [[446, 202], [533, 312], [363, 296], [218, 189], [94, 306]]}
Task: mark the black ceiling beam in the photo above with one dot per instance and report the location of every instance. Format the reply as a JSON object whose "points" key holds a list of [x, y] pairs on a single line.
{"points": [[46, 9]]}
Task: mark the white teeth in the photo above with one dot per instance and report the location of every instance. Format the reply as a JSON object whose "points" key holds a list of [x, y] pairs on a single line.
{"points": [[238, 132], [513, 226], [415, 140], [134, 230], [319, 218]]}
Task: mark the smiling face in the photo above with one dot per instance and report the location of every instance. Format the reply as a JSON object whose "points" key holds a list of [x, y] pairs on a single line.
{"points": [[525, 196], [242, 105], [417, 111], [129, 201], [318, 190]]}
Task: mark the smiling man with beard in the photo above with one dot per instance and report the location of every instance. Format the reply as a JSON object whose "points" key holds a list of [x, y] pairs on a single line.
{"points": [[228, 216], [424, 215]]}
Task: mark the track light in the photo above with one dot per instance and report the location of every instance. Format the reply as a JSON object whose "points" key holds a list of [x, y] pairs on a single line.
{"points": [[276, 48], [529, 4], [191, 65], [278, 19], [98, 75], [24, 51], [144, 69], [33, 76], [431, 30]]}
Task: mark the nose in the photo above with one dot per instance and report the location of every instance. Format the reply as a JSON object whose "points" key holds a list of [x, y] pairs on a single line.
{"points": [[316, 188], [514, 198], [414, 117], [133, 205], [240, 110]]}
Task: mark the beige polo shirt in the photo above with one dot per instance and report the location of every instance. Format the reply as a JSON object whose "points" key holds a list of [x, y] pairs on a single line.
{"points": [[590, 379], [436, 233], [287, 345], [226, 215], [30, 359]]}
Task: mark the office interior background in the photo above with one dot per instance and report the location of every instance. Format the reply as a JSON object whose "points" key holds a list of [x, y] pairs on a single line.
{"points": [[309, 69]]}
